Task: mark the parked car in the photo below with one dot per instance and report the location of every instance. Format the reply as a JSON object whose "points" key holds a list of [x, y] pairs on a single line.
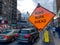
{"points": [[28, 35], [8, 35], [16, 31]]}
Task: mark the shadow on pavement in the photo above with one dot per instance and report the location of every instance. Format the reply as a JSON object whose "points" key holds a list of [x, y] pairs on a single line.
{"points": [[24, 44], [16, 44], [5, 43]]}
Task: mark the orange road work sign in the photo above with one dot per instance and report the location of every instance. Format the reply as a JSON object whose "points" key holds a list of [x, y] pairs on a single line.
{"points": [[41, 17]]}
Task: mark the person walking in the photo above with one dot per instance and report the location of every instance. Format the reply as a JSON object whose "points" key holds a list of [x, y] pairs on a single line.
{"points": [[54, 29], [58, 31]]}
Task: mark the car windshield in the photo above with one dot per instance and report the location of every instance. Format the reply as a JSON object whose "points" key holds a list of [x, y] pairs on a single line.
{"points": [[24, 31], [5, 32]]}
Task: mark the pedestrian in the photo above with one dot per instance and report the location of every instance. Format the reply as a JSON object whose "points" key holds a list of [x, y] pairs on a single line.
{"points": [[58, 31], [53, 29]]}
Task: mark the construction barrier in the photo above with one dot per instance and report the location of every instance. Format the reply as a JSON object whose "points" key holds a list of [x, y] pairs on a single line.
{"points": [[46, 36]]}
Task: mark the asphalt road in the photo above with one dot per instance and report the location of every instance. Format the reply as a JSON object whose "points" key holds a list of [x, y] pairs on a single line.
{"points": [[37, 42]]}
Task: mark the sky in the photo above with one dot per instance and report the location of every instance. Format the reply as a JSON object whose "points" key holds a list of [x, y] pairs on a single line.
{"points": [[26, 5], [30, 5]]}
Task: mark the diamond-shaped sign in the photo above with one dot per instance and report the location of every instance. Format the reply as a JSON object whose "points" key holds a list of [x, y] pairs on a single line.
{"points": [[41, 17]]}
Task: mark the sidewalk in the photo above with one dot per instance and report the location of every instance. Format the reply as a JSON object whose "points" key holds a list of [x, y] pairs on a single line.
{"points": [[51, 38], [56, 38]]}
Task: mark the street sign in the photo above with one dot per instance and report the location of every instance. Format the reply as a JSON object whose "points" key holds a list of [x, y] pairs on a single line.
{"points": [[41, 17]]}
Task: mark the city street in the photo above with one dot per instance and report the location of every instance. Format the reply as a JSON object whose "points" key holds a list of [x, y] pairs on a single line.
{"points": [[29, 22], [37, 42]]}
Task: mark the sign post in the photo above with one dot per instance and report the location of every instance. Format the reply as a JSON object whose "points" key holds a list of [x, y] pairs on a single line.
{"points": [[41, 17]]}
